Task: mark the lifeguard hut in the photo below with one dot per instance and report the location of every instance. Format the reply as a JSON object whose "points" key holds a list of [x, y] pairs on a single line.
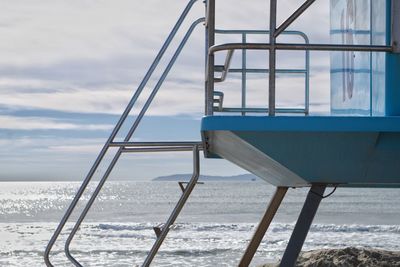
{"points": [[356, 145]]}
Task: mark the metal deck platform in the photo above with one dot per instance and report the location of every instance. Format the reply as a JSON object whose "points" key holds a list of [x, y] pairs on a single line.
{"points": [[299, 151]]}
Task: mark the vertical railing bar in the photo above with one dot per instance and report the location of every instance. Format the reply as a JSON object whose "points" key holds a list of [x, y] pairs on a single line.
{"points": [[244, 74], [307, 78], [307, 84], [205, 49], [210, 59], [272, 58], [370, 60]]}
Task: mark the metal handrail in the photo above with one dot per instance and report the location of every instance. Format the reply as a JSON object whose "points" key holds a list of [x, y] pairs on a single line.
{"points": [[111, 138], [157, 149], [262, 110], [128, 137], [299, 47], [259, 71], [244, 70], [154, 144], [315, 47]]}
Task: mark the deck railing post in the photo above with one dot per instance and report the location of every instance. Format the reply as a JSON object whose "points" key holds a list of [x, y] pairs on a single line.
{"points": [[210, 30], [395, 42], [244, 73], [272, 58]]}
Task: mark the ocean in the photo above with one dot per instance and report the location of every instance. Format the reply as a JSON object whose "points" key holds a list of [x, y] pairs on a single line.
{"points": [[213, 229]]}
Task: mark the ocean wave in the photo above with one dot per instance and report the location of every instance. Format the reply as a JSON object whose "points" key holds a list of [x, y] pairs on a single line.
{"points": [[179, 226], [349, 228], [125, 227], [196, 252], [275, 227]]}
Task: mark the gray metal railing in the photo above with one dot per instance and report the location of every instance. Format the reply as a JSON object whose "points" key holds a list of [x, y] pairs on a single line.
{"points": [[126, 145], [225, 69], [272, 47]]}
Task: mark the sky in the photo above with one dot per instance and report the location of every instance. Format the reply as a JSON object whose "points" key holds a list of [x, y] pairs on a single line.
{"points": [[68, 68]]}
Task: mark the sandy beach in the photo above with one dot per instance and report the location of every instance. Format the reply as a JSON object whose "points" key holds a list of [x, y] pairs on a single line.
{"points": [[354, 257]]}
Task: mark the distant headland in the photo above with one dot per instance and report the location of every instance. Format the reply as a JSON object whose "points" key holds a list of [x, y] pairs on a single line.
{"points": [[207, 178]]}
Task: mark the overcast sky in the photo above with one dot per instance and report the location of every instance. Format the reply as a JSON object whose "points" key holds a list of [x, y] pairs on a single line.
{"points": [[68, 69]]}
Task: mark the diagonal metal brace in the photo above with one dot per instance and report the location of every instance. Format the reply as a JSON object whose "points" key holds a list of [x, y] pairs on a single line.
{"points": [[293, 17], [263, 226]]}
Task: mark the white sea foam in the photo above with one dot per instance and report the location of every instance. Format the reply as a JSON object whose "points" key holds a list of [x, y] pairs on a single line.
{"points": [[188, 243]]}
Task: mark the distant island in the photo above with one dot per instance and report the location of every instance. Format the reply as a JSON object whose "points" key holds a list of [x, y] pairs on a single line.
{"points": [[207, 178]]}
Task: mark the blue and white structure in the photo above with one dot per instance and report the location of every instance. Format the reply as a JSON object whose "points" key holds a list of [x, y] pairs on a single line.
{"points": [[356, 145]]}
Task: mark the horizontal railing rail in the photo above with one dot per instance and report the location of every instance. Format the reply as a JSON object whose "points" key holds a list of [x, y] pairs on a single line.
{"points": [[315, 47], [155, 144]]}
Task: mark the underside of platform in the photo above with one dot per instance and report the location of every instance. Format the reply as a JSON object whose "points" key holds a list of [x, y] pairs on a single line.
{"points": [[300, 151]]}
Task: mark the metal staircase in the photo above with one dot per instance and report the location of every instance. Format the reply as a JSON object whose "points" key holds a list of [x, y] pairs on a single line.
{"points": [[128, 146]]}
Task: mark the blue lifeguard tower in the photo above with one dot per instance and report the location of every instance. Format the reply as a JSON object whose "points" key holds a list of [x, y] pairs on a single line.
{"points": [[356, 145]]}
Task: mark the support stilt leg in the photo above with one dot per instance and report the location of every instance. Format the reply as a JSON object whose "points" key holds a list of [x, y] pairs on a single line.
{"points": [[303, 224], [263, 226]]}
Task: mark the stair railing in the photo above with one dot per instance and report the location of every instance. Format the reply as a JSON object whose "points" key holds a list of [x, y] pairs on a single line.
{"points": [[110, 141]]}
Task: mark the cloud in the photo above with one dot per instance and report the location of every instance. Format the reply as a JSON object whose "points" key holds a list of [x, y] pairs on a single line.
{"points": [[89, 57], [35, 123], [68, 67], [45, 31], [76, 148], [73, 100]]}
